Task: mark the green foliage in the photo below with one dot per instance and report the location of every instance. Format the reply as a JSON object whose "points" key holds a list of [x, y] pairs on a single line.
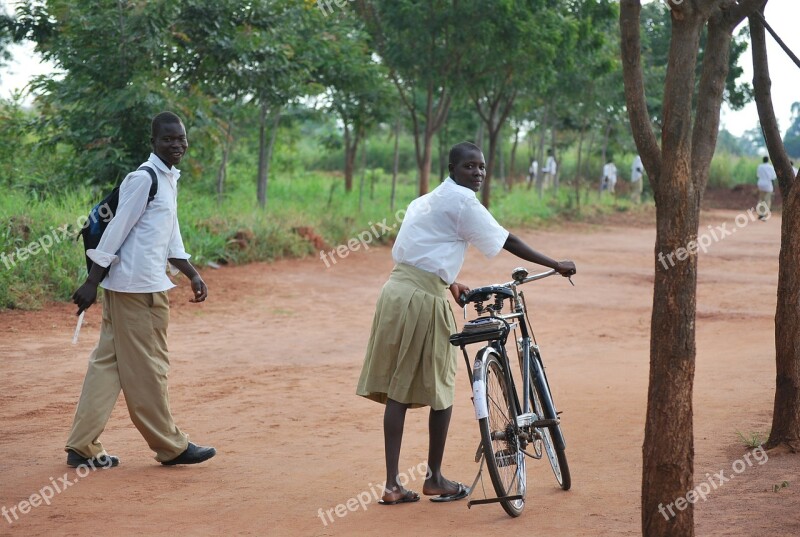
{"points": [[791, 140], [113, 67], [656, 35]]}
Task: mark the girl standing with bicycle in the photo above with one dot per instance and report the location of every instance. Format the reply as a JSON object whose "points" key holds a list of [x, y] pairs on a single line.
{"points": [[409, 361]]}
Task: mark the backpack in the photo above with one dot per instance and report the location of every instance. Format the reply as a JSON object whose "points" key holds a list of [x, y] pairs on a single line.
{"points": [[102, 213]]}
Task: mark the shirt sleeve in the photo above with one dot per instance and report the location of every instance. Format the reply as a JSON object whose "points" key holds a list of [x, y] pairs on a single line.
{"points": [[176, 249], [477, 226], [133, 194]]}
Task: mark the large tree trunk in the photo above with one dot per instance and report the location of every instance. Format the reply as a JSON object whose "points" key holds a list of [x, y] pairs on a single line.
{"points": [[678, 172], [785, 430]]}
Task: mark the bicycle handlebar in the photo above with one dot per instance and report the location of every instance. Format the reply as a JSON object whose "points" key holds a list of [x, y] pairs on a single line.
{"points": [[506, 290]]}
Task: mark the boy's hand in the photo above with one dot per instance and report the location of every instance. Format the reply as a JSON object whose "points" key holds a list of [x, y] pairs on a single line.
{"points": [[566, 268], [458, 290], [199, 289], [85, 296]]}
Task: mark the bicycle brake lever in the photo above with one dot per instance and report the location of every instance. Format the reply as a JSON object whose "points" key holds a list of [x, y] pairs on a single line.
{"points": [[570, 281]]}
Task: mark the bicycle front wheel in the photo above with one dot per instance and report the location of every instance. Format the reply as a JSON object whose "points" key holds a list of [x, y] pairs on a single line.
{"points": [[543, 406], [499, 435]]}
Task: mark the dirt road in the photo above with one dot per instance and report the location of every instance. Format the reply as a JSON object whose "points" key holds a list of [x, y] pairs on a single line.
{"points": [[266, 372]]}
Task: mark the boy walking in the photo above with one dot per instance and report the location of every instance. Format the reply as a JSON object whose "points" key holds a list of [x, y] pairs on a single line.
{"points": [[409, 361], [132, 352]]}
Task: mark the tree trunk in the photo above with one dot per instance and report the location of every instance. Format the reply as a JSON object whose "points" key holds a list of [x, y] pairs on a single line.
{"points": [[678, 173], [425, 164], [486, 191], [785, 430], [558, 165], [443, 153], [350, 150], [261, 180], [363, 175], [222, 172], [540, 158], [265, 152], [578, 167], [512, 161], [396, 164]]}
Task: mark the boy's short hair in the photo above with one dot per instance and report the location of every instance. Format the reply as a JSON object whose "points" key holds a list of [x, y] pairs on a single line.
{"points": [[765, 159], [458, 150], [164, 118]]}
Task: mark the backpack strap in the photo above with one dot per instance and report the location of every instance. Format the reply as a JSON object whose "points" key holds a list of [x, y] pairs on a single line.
{"points": [[153, 178]]}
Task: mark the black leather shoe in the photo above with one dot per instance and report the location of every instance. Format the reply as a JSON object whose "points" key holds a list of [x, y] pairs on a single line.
{"points": [[194, 454], [75, 459]]}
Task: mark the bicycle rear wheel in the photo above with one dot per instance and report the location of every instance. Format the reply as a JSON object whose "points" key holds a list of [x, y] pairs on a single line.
{"points": [[544, 408], [504, 460]]}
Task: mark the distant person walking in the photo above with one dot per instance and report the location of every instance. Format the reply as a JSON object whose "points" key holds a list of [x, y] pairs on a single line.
{"points": [[766, 175], [550, 169], [533, 171], [609, 176], [637, 180]]}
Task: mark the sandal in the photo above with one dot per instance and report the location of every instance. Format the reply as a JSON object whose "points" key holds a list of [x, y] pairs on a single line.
{"points": [[409, 497]]}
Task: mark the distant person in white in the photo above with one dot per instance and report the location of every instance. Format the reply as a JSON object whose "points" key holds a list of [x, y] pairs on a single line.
{"points": [[550, 169], [610, 175], [766, 175], [637, 179], [532, 171]]}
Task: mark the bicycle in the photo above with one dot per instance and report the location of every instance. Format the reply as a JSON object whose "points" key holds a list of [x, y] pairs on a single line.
{"points": [[511, 430]]}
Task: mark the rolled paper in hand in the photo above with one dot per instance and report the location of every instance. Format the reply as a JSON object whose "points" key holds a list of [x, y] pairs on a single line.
{"points": [[78, 328]]}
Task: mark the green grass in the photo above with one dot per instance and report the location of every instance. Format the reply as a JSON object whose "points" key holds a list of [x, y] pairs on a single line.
{"points": [[752, 440]]}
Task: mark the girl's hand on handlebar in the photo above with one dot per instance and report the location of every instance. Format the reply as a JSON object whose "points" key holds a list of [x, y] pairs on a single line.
{"points": [[459, 291], [566, 268]]}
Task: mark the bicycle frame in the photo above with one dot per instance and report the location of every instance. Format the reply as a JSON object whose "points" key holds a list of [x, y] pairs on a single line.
{"points": [[518, 317]]}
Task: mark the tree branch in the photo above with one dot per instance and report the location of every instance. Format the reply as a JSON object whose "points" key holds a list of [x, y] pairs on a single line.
{"points": [[641, 125], [709, 97]]}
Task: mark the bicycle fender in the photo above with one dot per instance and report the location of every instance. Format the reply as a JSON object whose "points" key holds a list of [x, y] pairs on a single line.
{"points": [[479, 383]]}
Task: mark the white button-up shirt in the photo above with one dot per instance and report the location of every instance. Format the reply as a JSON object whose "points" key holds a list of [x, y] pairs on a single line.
{"points": [[141, 237], [438, 227], [636, 169], [766, 174]]}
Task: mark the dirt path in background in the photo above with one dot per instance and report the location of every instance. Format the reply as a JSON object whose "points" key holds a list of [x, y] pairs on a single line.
{"points": [[266, 372]]}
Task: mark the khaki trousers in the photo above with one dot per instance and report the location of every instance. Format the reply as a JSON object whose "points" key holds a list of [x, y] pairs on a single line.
{"points": [[636, 191], [766, 198], [131, 356]]}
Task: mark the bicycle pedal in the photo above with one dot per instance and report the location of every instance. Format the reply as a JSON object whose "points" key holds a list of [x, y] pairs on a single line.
{"points": [[524, 420], [504, 457]]}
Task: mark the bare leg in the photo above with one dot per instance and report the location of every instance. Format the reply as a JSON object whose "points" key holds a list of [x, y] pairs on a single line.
{"points": [[394, 418], [438, 424]]}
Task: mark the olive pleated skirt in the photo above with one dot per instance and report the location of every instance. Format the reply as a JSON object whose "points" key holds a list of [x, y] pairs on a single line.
{"points": [[409, 357]]}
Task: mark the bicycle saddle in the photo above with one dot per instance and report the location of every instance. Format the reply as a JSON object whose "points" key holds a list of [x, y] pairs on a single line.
{"points": [[482, 294]]}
